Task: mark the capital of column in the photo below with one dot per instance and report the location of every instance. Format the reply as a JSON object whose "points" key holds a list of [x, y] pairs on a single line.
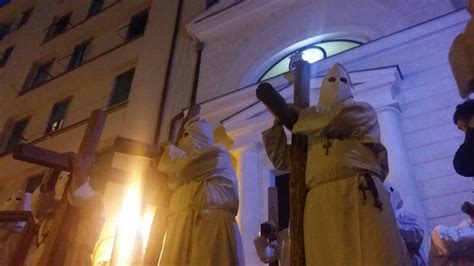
{"points": [[393, 107]]}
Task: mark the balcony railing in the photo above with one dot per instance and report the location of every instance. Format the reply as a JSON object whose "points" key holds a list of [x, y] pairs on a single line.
{"points": [[63, 69], [72, 26]]}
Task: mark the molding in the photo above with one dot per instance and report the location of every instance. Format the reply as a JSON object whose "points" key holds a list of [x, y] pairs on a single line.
{"points": [[378, 87], [232, 16], [394, 107]]}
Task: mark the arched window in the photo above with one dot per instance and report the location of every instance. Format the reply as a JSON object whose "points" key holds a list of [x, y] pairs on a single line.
{"points": [[311, 53]]}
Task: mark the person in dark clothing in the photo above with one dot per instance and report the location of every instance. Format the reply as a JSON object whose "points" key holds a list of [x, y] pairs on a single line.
{"points": [[464, 159]]}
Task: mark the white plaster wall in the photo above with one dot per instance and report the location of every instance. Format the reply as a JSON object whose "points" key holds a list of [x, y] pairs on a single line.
{"points": [[427, 95]]}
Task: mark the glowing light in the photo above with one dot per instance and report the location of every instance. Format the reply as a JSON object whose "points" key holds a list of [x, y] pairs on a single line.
{"points": [[312, 55], [128, 247], [146, 223]]}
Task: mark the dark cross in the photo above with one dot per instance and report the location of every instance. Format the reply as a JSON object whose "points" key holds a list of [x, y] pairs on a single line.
{"points": [[82, 164], [328, 145], [276, 104]]}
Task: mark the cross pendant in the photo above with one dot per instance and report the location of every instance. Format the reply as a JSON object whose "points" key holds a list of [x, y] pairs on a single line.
{"points": [[328, 145]]}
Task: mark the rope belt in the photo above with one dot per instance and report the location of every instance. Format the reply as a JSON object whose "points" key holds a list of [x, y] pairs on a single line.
{"points": [[372, 188]]}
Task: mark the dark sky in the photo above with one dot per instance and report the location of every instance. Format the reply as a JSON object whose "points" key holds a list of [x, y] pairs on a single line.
{"points": [[3, 2]]}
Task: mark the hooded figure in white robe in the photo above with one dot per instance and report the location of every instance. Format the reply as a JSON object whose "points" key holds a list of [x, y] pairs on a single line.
{"points": [[409, 225], [201, 230], [348, 219], [80, 227], [10, 233]]}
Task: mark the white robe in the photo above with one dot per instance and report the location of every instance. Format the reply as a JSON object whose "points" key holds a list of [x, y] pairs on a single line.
{"points": [[78, 236], [201, 229], [452, 245], [412, 233], [341, 227]]}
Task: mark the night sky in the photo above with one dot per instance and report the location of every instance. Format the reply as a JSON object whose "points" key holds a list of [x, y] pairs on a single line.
{"points": [[3, 2]]}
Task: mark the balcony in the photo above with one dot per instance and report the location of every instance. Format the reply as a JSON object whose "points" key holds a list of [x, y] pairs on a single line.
{"points": [[69, 27], [115, 49]]}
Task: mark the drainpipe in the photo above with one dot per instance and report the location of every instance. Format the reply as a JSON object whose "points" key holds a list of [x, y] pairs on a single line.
{"points": [[164, 95]]}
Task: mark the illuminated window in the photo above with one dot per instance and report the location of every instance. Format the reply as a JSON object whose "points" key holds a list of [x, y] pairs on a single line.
{"points": [[58, 113], [311, 53]]}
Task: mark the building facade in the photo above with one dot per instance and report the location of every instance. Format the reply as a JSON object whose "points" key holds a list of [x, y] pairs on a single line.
{"points": [[137, 60]]}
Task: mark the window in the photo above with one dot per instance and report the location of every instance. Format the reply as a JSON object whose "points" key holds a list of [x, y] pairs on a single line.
{"points": [[41, 74], [311, 53], [58, 26], [4, 57], [79, 55], [137, 25], [16, 135], [95, 7], [4, 29], [121, 89], [58, 113], [210, 3], [24, 19], [38, 75]]}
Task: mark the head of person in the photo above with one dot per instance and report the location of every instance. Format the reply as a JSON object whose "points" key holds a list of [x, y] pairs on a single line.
{"points": [[468, 208], [16, 202], [463, 114], [197, 134], [268, 230], [336, 87]]}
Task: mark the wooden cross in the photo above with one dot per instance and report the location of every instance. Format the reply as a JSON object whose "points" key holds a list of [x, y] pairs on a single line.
{"points": [[81, 162], [298, 152]]}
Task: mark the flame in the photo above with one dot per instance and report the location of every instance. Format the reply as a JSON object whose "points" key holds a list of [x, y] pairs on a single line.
{"points": [[125, 235], [128, 239]]}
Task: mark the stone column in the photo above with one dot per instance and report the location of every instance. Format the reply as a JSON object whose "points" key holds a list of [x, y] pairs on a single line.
{"points": [[248, 217], [401, 173]]}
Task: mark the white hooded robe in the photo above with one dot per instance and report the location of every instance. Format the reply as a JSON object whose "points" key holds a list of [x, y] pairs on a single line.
{"points": [[341, 224], [201, 228]]}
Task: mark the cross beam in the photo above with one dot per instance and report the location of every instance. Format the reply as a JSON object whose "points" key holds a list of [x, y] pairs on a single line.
{"points": [[52, 159], [62, 161]]}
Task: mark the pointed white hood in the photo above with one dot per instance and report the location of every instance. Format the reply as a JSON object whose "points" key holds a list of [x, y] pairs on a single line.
{"points": [[336, 87], [197, 134]]}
